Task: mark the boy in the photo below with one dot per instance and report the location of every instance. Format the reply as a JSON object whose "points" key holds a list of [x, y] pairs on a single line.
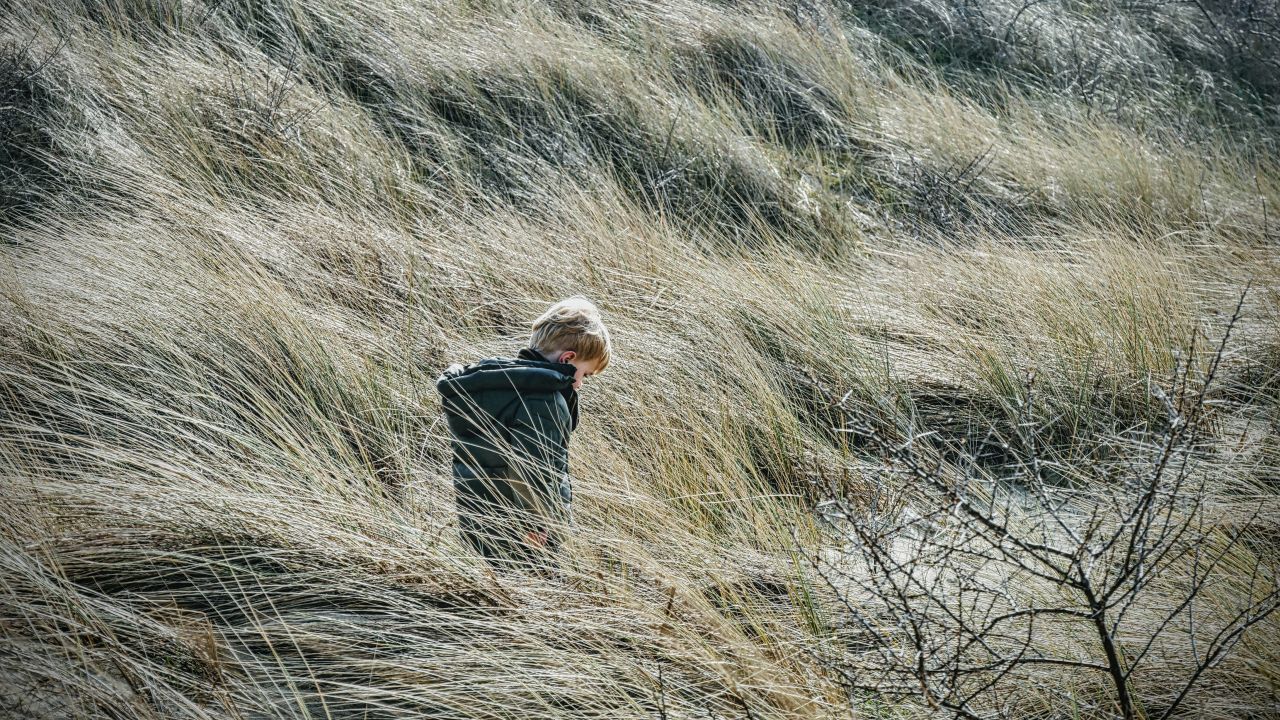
{"points": [[510, 421]]}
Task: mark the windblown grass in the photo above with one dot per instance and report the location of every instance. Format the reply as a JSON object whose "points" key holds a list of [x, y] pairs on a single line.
{"points": [[242, 239]]}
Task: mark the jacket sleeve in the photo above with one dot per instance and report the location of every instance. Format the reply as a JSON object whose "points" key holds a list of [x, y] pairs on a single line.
{"points": [[540, 436]]}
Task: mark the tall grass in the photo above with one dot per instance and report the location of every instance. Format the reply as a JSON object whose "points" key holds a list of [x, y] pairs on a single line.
{"points": [[244, 238]]}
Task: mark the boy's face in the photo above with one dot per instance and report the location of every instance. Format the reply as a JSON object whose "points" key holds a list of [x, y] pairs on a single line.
{"points": [[585, 368]]}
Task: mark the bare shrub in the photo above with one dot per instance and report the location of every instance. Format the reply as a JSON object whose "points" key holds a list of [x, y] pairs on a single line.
{"points": [[265, 109], [982, 591]]}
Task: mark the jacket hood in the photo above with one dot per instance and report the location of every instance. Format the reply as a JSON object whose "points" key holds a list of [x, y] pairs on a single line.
{"points": [[495, 373], [530, 372]]}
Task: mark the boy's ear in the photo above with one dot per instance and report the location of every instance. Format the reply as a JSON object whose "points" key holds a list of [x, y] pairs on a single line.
{"points": [[567, 355]]}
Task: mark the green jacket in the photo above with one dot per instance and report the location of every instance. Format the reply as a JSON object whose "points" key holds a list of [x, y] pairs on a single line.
{"points": [[510, 421]]}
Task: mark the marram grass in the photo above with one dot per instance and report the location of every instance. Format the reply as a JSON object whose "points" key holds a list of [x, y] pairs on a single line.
{"points": [[240, 240]]}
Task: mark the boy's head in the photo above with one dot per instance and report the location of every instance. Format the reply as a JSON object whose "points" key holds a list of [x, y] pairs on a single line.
{"points": [[571, 332]]}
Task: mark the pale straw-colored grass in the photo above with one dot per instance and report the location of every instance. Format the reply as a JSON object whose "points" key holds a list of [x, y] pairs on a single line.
{"points": [[223, 464]]}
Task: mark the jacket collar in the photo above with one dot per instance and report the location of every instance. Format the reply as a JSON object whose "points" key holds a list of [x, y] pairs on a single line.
{"points": [[570, 395], [531, 354]]}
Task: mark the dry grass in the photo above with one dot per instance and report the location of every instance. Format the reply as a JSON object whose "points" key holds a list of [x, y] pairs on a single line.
{"points": [[250, 235]]}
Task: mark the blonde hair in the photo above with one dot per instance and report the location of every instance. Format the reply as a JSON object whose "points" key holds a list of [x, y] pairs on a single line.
{"points": [[573, 324]]}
